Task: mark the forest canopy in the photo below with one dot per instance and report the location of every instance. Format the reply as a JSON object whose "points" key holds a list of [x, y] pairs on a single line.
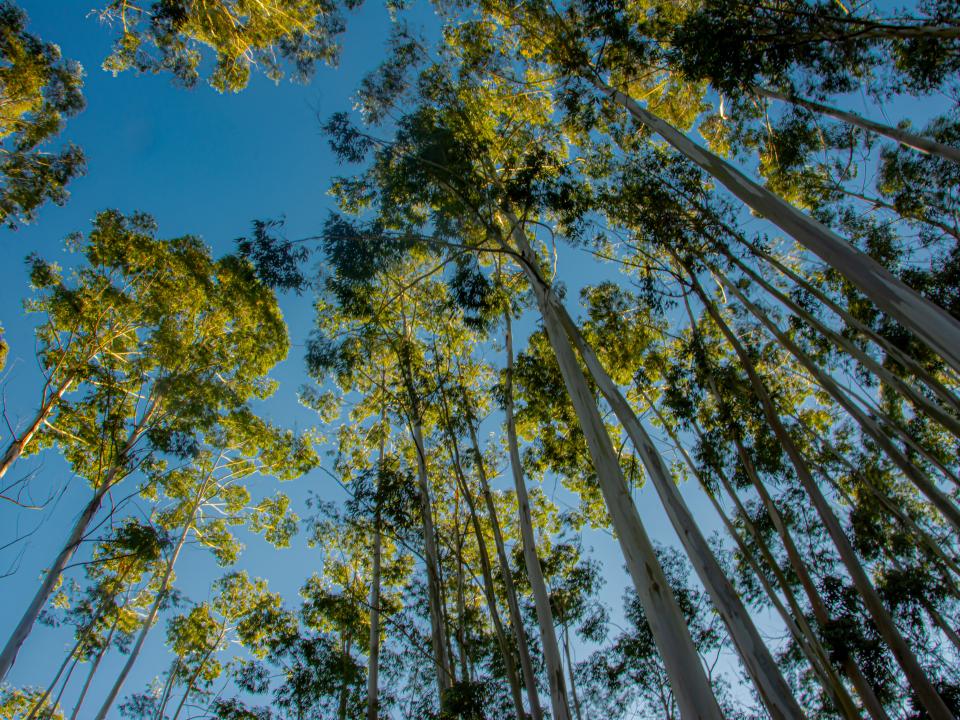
{"points": [[600, 359]]}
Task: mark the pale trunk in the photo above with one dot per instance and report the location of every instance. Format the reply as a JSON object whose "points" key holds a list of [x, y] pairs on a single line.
{"points": [[431, 557], [461, 605], [573, 680], [9, 654], [516, 620], [538, 586], [926, 320], [196, 673], [669, 628], [71, 656], [93, 669], [926, 145], [167, 689], [667, 624], [797, 623], [15, 449], [901, 358], [147, 624], [908, 662], [931, 408], [485, 569], [756, 657], [50, 580], [850, 667]]}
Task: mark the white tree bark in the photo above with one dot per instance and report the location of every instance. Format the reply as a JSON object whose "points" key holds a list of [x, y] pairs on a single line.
{"points": [[926, 320]]}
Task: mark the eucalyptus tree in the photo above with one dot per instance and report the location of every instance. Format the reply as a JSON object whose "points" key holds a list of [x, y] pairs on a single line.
{"points": [[209, 495], [209, 335], [105, 611], [39, 90], [368, 330], [421, 138], [604, 52]]}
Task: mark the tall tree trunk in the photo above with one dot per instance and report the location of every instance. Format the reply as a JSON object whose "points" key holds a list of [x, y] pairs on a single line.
{"points": [[819, 606], [926, 145], [516, 619], [669, 628], [461, 604], [431, 556], [756, 657], [373, 656], [485, 569], [926, 320], [796, 623], [573, 680], [196, 673], [95, 666], [167, 689], [892, 351], [50, 580], [538, 586], [150, 619], [884, 375], [927, 694], [9, 654]]}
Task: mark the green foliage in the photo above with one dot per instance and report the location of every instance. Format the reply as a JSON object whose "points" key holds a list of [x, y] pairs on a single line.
{"points": [[38, 91], [278, 36]]}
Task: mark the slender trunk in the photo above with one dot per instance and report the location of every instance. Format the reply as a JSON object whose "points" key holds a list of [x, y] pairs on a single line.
{"points": [[932, 546], [167, 688], [373, 656], [923, 483], [196, 673], [50, 580], [38, 705], [516, 620], [485, 569], [538, 586], [797, 624], [927, 694], [667, 624], [926, 320], [941, 622], [756, 657], [573, 680], [461, 605], [9, 654], [820, 612], [926, 145], [431, 557], [18, 445], [94, 667], [148, 621]]}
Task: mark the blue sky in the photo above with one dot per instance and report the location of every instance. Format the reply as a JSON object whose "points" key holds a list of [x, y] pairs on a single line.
{"points": [[205, 164]]}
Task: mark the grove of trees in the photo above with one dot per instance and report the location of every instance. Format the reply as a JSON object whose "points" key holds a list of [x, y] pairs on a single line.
{"points": [[765, 355]]}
